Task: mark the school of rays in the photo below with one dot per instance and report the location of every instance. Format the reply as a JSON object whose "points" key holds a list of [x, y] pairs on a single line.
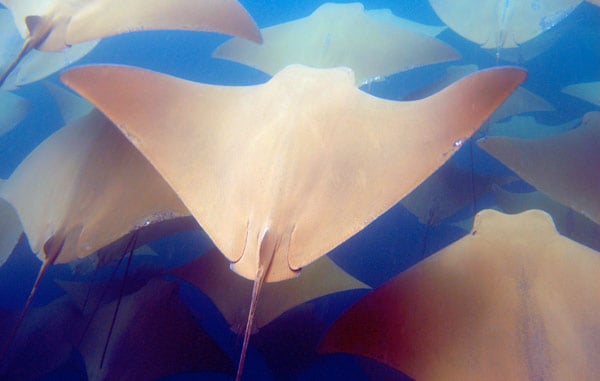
{"points": [[276, 188]]}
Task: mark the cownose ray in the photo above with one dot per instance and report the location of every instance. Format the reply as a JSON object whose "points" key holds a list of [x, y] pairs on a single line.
{"points": [[563, 166], [595, 2], [387, 16], [339, 35], [10, 228], [498, 24], [526, 127], [155, 335], [447, 191], [588, 91], [70, 105], [46, 340], [229, 292], [86, 187], [36, 64], [568, 222], [513, 300], [279, 174], [13, 109], [521, 101], [54, 25]]}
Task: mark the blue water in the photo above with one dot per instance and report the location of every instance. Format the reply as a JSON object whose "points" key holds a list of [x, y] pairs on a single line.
{"points": [[285, 349]]}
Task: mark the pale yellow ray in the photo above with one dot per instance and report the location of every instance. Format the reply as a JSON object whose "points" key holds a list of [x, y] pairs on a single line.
{"points": [[497, 24], [526, 127], [279, 174], [10, 228], [71, 106], [340, 35], [55, 25], [588, 91], [13, 109], [513, 300], [447, 191], [229, 292], [155, 335], [568, 222], [564, 166], [521, 101], [387, 16], [85, 187], [272, 170]]}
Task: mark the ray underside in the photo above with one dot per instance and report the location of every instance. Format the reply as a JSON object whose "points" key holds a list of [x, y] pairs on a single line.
{"points": [[512, 300], [340, 35]]}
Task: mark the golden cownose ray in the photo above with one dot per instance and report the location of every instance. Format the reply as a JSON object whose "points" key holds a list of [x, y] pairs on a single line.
{"points": [[229, 292], [563, 166], [155, 335], [53, 25], [498, 24], [387, 16], [339, 35], [513, 300], [86, 187], [35, 65], [447, 191], [281, 173], [45, 343], [71, 106], [302, 154], [568, 222], [595, 2], [96, 189], [13, 110], [521, 101], [10, 228], [526, 127], [588, 91], [534, 47]]}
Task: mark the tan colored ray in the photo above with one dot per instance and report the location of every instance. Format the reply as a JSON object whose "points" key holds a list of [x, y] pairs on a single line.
{"points": [[36, 64], [229, 292], [108, 255], [564, 166], [46, 341], [513, 300], [58, 24], [595, 2], [387, 16], [155, 335], [534, 47], [85, 187], [568, 222], [526, 127], [71, 106], [588, 91], [274, 168], [281, 173], [10, 228], [340, 35], [521, 101], [53, 25], [497, 24], [13, 110], [447, 191]]}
